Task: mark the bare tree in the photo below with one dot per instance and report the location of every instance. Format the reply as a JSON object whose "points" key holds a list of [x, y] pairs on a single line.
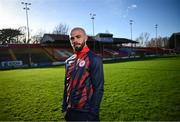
{"points": [[159, 42], [151, 43], [22, 38], [143, 39], [61, 29], [37, 38]]}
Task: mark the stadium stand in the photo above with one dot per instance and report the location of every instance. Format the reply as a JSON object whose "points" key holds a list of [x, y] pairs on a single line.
{"points": [[55, 49], [5, 55], [59, 54]]}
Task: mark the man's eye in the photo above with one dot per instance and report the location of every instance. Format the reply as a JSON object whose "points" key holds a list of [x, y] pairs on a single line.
{"points": [[72, 38], [78, 37]]}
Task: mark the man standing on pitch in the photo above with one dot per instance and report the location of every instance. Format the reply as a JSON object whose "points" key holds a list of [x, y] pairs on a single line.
{"points": [[84, 81]]}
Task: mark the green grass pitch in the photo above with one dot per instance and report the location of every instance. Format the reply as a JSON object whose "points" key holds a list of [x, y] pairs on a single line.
{"points": [[134, 90]]}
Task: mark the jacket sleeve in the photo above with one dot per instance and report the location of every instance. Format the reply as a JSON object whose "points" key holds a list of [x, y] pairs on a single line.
{"points": [[64, 103], [97, 77]]}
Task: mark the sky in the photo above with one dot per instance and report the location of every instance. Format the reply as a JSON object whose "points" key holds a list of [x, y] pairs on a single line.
{"points": [[112, 16]]}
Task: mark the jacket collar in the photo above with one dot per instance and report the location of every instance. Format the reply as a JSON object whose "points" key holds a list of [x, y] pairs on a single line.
{"points": [[81, 53]]}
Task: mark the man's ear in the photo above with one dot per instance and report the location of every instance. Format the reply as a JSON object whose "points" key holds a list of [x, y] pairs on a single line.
{"points": [[86, 38]]}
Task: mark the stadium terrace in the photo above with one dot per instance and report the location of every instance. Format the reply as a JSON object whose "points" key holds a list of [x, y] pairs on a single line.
{"points": [[55, 48]]}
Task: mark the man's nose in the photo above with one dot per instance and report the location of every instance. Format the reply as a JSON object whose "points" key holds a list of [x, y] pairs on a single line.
{"points": [[75, 40]]}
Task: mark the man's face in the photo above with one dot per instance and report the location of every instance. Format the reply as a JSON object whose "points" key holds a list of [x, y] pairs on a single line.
{"points": [[77, 39]]}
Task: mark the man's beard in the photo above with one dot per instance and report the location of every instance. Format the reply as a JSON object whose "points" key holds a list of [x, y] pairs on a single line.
{"points": [[78, 49]]}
